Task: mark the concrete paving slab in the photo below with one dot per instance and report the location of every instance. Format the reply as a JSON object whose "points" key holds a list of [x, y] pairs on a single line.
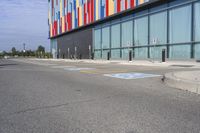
{"points": [[185, 80]]}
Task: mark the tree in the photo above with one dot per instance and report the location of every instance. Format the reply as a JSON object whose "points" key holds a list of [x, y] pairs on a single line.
{"points": [[41, 49], [14, 51]]}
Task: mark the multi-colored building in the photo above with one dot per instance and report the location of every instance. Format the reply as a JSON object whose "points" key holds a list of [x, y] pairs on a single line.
{"points": [[120, 28]]}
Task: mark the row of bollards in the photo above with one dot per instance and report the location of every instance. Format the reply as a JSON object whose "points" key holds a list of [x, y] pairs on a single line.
{"points": [[131, 55], [109, 56], [74, 57]]}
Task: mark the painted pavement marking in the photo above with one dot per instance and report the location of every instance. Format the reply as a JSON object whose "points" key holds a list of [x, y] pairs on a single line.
{"points": [[99, 71], [63, 66], [77, 69], [131, 75]]}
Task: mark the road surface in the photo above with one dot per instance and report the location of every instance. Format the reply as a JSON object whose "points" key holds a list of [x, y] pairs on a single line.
{"points": [[60, 97]]}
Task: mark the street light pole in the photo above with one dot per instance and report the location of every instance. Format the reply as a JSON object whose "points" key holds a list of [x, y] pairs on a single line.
{"points": [[24, 48]]}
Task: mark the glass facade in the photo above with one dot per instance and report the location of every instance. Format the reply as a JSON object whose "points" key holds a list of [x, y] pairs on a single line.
{"points": [[115, 36], [197, 29], [158, 34], [54, 48], [174, 27], [180, 31], [141, 37]]}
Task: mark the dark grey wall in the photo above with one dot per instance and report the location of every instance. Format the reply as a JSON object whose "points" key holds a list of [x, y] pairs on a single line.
{"points": [[80, 39]]}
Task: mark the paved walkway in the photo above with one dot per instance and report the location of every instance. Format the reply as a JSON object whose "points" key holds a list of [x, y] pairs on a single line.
{"points": [[188, 64], [185, 80]]}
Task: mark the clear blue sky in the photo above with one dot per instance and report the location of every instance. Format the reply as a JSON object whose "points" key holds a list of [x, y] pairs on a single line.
{"points": [[23, 21]]}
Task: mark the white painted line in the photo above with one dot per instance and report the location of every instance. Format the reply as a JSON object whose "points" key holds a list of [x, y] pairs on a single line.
{"points": [[131, 75], [77, 69], [63, 66]]}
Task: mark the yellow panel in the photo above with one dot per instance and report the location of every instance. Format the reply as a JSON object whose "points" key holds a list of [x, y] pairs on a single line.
{"points": [[80, 16], [141, 1], [77, 3], [61, 10], [63, 24], [97, 10], [111, 7]]}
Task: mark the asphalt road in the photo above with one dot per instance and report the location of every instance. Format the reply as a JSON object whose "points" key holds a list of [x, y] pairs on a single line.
{"points": [[46, 97]]}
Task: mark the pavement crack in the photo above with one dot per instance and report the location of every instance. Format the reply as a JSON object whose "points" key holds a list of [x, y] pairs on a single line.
{"points": [[48, 107], [59, 105]]}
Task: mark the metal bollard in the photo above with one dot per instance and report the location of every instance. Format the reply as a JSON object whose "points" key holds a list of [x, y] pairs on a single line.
{"points": [[108, 56], [130, 55], [92, 56], [163, 55]]}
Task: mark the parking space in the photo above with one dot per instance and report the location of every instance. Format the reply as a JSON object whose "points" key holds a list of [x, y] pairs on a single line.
{"points": [[132, 75]]}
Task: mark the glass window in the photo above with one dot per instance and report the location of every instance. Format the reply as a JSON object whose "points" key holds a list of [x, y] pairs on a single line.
{"points": [[125, 54], [97, 39], [115, 36], [197, 51], [141, 31], [54, 47], [156, 52], [115, 54], [158, 28], [180, 24], [180, 51], [197, 21], [97, 54], [105, 54], [140, 53], [141, 37], [106, 37], [127, 34]]}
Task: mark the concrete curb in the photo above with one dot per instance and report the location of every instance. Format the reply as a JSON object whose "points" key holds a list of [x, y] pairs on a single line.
{"points": [[176, 82]]}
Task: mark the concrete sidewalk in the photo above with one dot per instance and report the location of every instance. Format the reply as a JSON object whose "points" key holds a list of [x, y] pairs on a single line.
{"points": [[188, 64], [185, 80]]}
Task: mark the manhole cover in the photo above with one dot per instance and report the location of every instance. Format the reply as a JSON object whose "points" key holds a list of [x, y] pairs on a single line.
{"points": [[182, 65]]}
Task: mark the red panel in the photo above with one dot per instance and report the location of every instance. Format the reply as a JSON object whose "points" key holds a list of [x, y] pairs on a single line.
{"points": [[84, 14], [92, 10], [65, 22], [69, 21], [107, 6], [118, 5], [52, 31], [78, 17], [132, 3], [126, 4], [55, 28], [88, 7]]}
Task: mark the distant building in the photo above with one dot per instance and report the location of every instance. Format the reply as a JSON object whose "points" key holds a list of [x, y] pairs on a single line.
{"points": [[142, 28]]}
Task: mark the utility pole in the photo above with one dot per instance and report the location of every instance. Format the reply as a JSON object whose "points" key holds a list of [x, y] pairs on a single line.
{"points": [[24, 48]]}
